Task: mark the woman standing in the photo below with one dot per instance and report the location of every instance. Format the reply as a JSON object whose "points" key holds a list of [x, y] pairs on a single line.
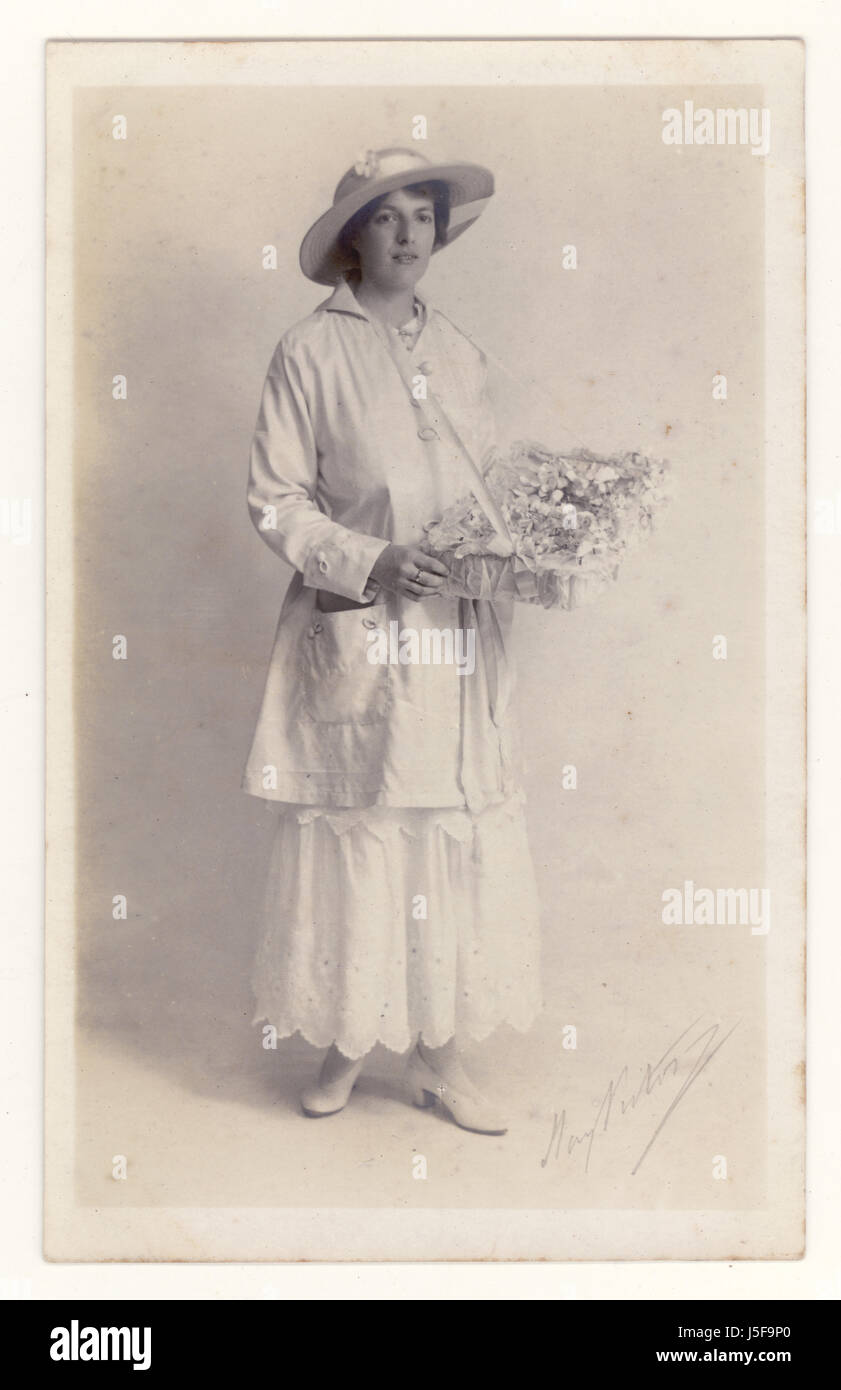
{"points": [[400, 903]]}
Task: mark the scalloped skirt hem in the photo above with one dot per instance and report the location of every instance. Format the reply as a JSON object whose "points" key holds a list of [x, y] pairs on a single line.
{"points": [[355, 1048], [387, 925]]}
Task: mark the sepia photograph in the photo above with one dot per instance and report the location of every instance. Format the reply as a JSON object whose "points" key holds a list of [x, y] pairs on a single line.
{"points": [[426, 650]]}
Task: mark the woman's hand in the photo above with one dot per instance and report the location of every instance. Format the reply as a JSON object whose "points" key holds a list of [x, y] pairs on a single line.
{"points": [[409, 571]]}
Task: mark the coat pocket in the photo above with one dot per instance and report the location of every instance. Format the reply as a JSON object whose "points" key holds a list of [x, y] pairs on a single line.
{"points": [[341, 684]]}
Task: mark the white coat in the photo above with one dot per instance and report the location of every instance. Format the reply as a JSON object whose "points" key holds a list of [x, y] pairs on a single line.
{"points": [[344, 460]]}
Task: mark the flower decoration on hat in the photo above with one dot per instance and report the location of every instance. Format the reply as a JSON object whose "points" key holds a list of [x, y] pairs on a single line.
{"points": [[367, 164]]}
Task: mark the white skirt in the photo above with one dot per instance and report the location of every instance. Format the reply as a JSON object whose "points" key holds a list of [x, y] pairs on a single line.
{"points": [[384, 924]]}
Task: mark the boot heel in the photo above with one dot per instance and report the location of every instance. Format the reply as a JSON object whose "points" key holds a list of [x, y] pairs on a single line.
{"points": [[421, 1098]]}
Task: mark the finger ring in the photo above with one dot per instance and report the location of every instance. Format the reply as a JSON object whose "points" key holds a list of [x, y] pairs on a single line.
{"points": [[417, 579]]}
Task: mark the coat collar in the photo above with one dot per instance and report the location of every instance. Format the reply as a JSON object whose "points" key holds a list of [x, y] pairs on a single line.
{"points": [[344, 301]]}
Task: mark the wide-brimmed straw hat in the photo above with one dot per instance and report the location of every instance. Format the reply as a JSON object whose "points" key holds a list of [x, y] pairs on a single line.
{"points": [[381, 171]]}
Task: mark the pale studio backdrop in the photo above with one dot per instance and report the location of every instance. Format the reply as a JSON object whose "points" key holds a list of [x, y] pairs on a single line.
{"points": [[668, 743]]}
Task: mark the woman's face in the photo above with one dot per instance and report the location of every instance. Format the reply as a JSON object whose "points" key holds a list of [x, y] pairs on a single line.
{"points": [[396, 243]]}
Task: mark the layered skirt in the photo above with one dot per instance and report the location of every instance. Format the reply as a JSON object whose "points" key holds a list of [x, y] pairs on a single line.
{"points": [[386, 924]]}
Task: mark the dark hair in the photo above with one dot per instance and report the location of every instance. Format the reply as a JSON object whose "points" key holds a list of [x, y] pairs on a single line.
{"points": [[434, 189]]}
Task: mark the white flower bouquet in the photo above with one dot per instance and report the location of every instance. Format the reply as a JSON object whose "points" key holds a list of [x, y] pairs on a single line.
{"points": [[553, 527]]}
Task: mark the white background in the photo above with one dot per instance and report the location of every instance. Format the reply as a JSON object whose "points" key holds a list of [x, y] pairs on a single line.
{"points": [[21, 697]]}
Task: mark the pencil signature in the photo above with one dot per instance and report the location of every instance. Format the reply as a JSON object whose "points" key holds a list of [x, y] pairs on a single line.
{"points": [[618, 1099]]}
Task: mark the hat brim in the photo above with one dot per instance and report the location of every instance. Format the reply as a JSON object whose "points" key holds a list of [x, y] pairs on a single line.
{"points": [[470, 187]]}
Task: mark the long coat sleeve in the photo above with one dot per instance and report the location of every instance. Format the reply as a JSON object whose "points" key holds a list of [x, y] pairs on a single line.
{"points": [[283, 488], [348, 455]]}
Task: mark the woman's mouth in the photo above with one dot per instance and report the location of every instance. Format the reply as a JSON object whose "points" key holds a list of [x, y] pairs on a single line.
{"points": [[405, 257]]}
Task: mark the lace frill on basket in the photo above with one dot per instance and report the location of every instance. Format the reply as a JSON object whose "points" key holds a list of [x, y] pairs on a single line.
{"points": [[511, 578]]}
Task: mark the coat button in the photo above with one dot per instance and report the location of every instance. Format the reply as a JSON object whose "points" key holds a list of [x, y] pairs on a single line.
{"points": [[427, 433], [323, 566], [368, 622], [425, 369]]}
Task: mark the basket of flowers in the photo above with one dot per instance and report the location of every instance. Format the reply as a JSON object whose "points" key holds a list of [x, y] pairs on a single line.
{"points": [[552, 528]]}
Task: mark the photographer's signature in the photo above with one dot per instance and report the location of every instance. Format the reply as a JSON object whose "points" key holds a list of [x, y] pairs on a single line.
{"points": [[619, 1098]]}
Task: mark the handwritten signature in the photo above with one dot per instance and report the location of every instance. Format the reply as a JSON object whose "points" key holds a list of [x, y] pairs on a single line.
{"points": [[618, 1100]]}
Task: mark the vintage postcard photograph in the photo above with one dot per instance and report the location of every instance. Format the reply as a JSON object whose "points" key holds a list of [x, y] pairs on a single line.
{"points": [[426, 651]]}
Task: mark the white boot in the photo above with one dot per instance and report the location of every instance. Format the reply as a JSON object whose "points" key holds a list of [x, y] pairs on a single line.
{"points": [[331, 1092]]}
